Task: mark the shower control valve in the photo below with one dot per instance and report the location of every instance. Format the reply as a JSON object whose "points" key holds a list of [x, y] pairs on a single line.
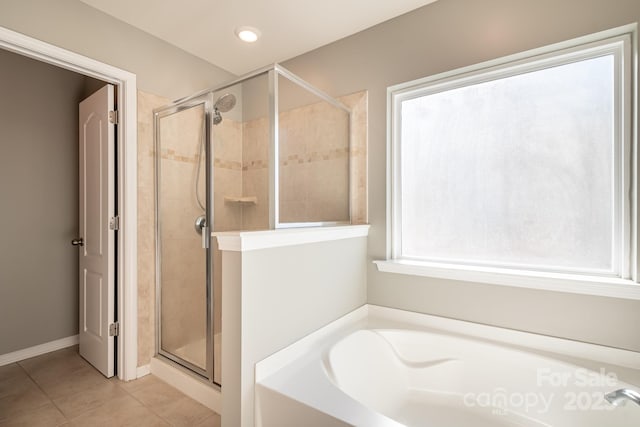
{"points": [[201, 222]]}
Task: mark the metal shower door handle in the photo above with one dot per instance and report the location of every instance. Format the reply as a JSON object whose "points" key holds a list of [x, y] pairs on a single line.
{"points": [[200, 223], [205, 237], [203, 229], [77, 242]]}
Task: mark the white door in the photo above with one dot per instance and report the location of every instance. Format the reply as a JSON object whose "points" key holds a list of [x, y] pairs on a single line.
{"points": [[97, 207]]}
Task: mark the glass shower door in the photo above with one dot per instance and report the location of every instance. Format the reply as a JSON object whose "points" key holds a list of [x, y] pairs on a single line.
{"points": [[183, 289]]}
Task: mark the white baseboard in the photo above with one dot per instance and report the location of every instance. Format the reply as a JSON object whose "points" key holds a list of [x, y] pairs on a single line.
{"points": [[196, 389], [142, 371], [37, 350]]}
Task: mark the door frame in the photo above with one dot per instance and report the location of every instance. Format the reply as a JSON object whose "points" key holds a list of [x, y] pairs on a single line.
{"points": [[127, 177]]}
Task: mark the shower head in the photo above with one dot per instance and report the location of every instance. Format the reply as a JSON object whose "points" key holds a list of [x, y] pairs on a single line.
{"points": [[225, 103]]}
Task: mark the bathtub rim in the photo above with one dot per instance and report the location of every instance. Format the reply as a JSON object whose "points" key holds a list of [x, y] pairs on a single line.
{"points": [[280, 372], [367, 313]]}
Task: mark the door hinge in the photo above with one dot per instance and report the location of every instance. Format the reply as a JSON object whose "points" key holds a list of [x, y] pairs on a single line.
{"points": [[114, 223], [114, 329], [113, 117]]}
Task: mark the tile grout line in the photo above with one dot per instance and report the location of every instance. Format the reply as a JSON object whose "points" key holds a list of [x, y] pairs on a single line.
{"points": [[183, 396], [67, 420], [115, 384], [84, 411], [148, 407]]}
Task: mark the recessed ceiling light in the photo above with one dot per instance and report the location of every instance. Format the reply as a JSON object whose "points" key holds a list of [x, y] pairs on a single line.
{"points": [[247, 34]]}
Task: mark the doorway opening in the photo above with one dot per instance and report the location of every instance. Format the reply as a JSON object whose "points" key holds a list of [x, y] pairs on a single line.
{"points": [[123, 258]]}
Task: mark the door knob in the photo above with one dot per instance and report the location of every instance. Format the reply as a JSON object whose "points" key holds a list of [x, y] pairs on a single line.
{"points": [[77, 242]]}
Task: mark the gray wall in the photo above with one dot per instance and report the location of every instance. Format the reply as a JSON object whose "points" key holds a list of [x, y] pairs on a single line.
{"points": [[161, 68], [39, 193], [274, 297], [443, 36]]}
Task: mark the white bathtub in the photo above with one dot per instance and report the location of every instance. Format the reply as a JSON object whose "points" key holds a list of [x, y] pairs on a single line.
{"points": [[380, 367]]}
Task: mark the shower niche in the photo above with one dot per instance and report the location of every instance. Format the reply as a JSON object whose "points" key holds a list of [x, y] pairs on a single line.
{"points": [[263, 152]]}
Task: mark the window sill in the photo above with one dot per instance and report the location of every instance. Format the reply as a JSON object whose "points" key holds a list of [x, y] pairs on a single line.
{"points": [[577, 284]]}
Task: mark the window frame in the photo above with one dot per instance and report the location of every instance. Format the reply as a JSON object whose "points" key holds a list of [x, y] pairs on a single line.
{"points": [[621, 42]]}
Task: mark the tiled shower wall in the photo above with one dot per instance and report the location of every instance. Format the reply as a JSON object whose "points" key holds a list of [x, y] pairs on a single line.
{"points": [[227, 181], [241, 169], [255, 173], [146, 226], [314, 158]]}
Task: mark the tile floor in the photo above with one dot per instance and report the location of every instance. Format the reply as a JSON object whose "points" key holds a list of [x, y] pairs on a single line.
{"points": [[62, 389]]}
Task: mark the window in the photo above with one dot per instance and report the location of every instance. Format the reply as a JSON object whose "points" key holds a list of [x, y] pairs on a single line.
{"points": [[521, 166]]}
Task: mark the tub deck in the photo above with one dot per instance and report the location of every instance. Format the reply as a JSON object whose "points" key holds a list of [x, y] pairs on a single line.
{"points": [[380, 367]]}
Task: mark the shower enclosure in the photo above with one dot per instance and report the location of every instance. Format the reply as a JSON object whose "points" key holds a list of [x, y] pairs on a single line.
{"points": [[263, 152]]}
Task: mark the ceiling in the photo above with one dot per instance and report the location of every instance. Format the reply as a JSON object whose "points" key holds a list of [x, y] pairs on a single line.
{"points": [[205, 28]]}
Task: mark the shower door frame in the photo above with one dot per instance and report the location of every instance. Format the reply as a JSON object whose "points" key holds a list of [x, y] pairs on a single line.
{"points": [[273, 72], [203, 100]]}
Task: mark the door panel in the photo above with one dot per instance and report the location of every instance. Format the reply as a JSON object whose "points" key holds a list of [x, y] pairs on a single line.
{"points": [[97, 206], [93, 194], [183, 291], [92, 319]]}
